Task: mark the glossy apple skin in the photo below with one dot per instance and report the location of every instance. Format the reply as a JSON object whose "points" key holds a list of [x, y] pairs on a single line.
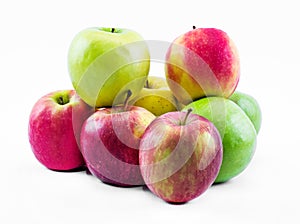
{"points": [[202, 62], [54, 130], [110, 144], [179, 162], [236, 130], [157, 97], [250, 106], [102, 64]]}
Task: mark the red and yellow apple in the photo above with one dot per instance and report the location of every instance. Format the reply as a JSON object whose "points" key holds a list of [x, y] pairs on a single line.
{"points": [[180, 156], [54, 129], [110, 143], [202, 62]]}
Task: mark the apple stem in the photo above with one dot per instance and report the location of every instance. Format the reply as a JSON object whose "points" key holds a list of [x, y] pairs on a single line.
{"points": [[129, 93], [112, 30], [194, 27], [147, 84], [186, 116]]}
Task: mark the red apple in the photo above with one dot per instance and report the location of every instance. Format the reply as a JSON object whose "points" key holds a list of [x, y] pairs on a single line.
{"points": [[54, 126], [180, 156], [202, 62], [110, 143]]}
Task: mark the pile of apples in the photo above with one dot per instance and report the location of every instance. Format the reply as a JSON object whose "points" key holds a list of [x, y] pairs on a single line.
{"points": [[177, 135]]}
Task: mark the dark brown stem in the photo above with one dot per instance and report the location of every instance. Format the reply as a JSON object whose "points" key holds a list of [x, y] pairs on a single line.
{"points": [[194, 27], [186, 116], [147, 84], [112, 30], [129, 93]]}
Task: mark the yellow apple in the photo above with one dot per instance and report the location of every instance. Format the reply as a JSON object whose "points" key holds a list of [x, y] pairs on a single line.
{"points": [[156, 97]]}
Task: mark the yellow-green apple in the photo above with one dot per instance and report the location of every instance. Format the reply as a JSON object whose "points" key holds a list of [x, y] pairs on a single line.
{"points": [[156, 97], [103, 62], [250, 106], [110, 143], [236, 129], [180, 156], [202, 62], [54, 129]]}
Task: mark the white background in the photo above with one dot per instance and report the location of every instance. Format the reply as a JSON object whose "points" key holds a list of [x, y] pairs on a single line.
{"points": [[34, 40]]}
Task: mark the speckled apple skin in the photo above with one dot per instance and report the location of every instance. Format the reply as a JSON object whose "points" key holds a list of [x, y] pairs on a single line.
{"points": [[110, 144], [180, 162], [202, 62], [53, 128]]}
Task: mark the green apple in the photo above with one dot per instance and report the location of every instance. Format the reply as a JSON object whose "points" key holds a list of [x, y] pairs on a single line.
{"points": [[250, 106], [156, 97], [105, 62], [236, 130]]}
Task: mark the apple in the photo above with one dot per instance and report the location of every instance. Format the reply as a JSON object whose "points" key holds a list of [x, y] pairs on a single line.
{"points": [[236, 130], [54, 129], [104, 62], [110, 143], [180, 156], [202, 62], [156, 97], [250, 106]]}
